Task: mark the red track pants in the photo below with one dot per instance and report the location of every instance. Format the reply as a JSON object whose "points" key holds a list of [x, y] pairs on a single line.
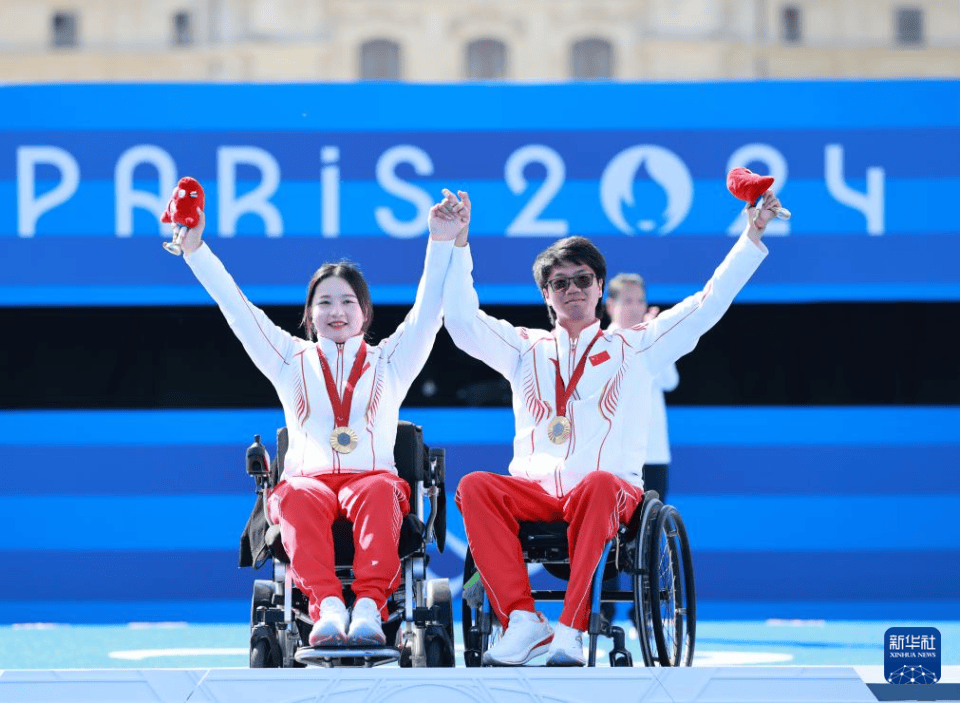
{"points": [[493, 506], [306, 507]]}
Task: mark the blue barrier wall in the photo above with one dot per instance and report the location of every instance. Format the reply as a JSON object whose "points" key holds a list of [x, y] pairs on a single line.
{"points": [[807, 512], [295, 174]]}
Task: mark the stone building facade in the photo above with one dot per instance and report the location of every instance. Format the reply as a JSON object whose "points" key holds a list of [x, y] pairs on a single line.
{"points": [[445, 41]]}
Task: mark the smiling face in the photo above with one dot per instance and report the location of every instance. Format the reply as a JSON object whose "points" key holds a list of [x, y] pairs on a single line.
{"points": [[335, 310], [570, 302]]}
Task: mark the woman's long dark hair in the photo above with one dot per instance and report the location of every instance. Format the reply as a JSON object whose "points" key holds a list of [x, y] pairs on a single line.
{"points": [[350, 273]]}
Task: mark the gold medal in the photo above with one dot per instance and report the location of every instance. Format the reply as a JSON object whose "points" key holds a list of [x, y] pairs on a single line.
{"points": [[343, 440], [558, 430]]}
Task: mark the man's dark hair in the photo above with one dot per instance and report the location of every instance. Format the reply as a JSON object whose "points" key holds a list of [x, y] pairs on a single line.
{"points": [[570, 250], [350, 273]]}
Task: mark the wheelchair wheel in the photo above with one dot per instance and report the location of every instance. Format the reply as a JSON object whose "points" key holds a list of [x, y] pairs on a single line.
{"points": [[439, 637], [262, 597], [440, 651], [673, 601], [642, 578], [406, 656], [438, 594], [263, 655]]}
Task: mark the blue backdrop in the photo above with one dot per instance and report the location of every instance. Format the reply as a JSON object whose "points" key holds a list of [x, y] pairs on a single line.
{"points": [[812, 512], [296, 174]]}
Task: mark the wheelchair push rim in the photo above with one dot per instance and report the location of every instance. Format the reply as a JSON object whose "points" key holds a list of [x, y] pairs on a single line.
{"points": [[673, 599], [640, 569]]}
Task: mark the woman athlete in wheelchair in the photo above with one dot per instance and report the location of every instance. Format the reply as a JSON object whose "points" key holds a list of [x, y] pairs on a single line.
{"points": [[279, 612], [341, 399]]}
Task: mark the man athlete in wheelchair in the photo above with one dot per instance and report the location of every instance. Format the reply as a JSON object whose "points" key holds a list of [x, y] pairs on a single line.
{"points": [[341, 399], [580, 397]]}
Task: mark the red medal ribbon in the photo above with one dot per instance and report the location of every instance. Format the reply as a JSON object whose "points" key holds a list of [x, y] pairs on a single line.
{"points": [[563, 392], [341, 407]]}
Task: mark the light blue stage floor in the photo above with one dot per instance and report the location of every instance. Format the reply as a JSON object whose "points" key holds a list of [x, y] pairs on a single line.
{"points": [[182, 645]]}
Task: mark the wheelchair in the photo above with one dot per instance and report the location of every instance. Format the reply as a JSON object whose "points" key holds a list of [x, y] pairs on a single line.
{"points": [[420, 619], [652, 549]]}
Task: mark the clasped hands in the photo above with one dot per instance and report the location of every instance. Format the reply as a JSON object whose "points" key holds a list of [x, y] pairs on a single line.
{"points": [[450, 218]]}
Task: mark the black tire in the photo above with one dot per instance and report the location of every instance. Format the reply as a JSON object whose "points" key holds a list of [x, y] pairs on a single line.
{"points": [[642, 578], [664, 579], [262, 655], [673, 600], [689, 594], [262, 597], [440, 651]]}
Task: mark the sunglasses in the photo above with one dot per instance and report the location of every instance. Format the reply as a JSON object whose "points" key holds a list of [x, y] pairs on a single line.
{"points": [[581, 281]]}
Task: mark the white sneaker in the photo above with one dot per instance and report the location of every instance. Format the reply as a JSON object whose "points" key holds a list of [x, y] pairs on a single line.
{"points": [[527, 636], [366, 624], [330, 629], [567, 647]]}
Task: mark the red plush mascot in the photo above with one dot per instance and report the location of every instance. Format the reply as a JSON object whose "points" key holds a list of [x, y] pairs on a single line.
{"points": [[748, 186], [185, 203], [183, 209]]}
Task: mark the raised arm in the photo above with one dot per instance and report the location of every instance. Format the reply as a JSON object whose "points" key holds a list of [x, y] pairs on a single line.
{"points": [[495, 342], [268, 346], [668, 378], [410, 345], [676, 332]]}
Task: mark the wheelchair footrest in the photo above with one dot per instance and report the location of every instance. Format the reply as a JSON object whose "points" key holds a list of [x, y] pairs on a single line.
{"points": [[361, 656]]}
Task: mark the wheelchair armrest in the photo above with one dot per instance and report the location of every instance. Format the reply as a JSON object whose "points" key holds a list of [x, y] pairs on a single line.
{"points": [[431, 493], [434, 489], [437, 464]]}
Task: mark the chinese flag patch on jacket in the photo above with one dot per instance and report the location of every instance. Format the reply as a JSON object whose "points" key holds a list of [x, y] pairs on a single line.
{"points": [[598, 359]]}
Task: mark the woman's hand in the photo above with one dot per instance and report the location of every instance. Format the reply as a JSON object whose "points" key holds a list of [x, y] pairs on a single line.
{"points": [[192, 236], [450, 218]]}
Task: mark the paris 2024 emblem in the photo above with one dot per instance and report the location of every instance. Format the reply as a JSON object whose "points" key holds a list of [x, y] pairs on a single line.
{"points": [[667, 182]]}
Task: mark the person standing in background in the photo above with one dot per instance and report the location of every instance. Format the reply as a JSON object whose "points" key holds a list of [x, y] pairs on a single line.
{"points": [[627, 307]]}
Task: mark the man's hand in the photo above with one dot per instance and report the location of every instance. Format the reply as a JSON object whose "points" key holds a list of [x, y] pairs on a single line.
{"points": [[651, 313], [192, 236], [450, 218], [759, 217]]}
